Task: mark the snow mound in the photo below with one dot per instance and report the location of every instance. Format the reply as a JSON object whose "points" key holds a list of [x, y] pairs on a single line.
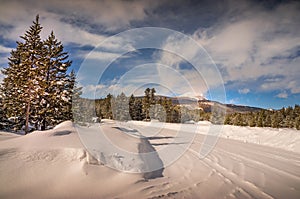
{"points": [[119, 147], [62, 129], [204, 123], [64, 125]]}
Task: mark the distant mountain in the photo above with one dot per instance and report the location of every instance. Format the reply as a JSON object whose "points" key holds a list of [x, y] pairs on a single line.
{"points": [[241, 109], [207, 105]]}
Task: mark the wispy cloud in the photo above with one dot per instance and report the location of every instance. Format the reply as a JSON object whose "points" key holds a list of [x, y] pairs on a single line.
{"points": [[1, 76], [166, 80], [4, 49], [4, 53], [190, 60], [283, 95], [64, 31], [244, 91], [106, 15]]}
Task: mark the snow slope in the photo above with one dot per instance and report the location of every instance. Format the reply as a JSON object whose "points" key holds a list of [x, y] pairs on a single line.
{"points": [[287, 139], [56, 164]]}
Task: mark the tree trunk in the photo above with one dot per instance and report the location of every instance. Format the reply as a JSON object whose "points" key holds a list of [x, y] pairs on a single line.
{"points": [[43, 127], [27, 118], [43, 123]]}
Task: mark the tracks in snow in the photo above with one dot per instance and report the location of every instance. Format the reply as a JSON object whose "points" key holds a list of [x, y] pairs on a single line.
{"points": [[246, 186], [252, 171]]}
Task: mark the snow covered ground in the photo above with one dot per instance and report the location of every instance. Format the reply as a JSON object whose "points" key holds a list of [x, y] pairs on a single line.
{"points": [[287, 139], [59, 163]]}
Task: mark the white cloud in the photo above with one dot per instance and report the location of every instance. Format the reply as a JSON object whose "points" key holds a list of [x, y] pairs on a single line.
{"points": [[99, 55], [1, 76], [232, 42], [89, 90], [166, 80], [68, 33], [4, 49], [112, 48], [255, 44], [70, 20], [232, 101], [112, 15], [63, 31], [244, 91], [109, 15], [282, 95], [202, 75], [288, 72], [175, 44], [294, 86], [3, 59]]}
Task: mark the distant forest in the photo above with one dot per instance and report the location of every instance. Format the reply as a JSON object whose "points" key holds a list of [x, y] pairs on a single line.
{"points": [[143, 108], [283, 118], [152, 107]]}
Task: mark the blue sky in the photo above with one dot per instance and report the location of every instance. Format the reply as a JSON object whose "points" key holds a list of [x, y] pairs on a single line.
{"points": [[254, 46]]}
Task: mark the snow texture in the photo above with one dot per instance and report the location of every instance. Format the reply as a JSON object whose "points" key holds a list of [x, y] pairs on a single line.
{"points": [[245, 163]]}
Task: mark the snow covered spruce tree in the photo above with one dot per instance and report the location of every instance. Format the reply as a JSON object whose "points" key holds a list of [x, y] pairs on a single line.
{"points": [[37, 87], [55, 99]]}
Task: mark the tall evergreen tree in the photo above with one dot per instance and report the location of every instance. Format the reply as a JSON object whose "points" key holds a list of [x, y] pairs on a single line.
{"points": [[146, 102], [76, 93], [132, 109], [297, 123], [152, 96], [108, 111], [57, 84], [275, 120], [24, 65], [252, 121], [13, 86], [268, 121], [120, 107], [138, 109], [2, 117]]}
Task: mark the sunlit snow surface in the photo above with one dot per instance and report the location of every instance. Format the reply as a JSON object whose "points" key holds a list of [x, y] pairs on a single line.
{"points": [[248, 163]]}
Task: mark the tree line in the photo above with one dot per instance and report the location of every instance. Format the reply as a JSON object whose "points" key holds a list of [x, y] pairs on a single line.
{"points": [[284, 118], [143, 108], [150, 106]]}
